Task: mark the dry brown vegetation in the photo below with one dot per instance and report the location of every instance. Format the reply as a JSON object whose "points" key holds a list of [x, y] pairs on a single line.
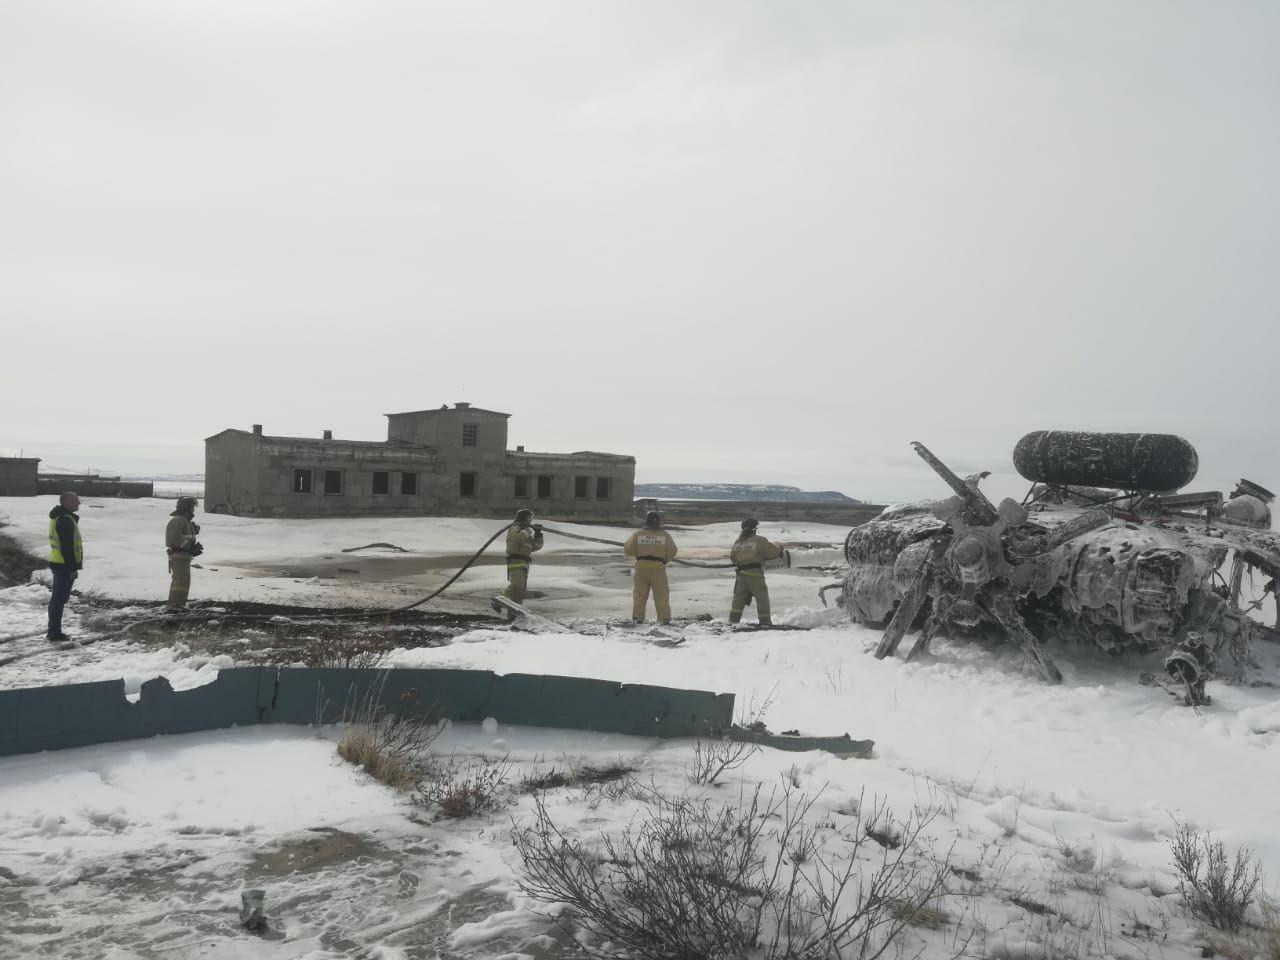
{"points": [[694, 879], [392, 747]]}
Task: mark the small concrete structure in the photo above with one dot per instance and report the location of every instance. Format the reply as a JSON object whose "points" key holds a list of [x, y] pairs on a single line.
{"points": [[452, 461], [18, 476]]}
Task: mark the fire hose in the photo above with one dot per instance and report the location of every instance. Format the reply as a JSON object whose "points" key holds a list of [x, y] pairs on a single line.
{"points": [[205, 617], [619, 543]]}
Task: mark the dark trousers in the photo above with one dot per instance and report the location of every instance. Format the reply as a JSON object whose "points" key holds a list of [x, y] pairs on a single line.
{"points": [[63, 577]]}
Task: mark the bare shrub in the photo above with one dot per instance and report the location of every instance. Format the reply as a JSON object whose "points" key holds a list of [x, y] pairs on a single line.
{"points": [[352, 650], [693, 879], [1216, 890], [390, 746], [879, 825], [715, 756], [721, 751], [575, 775], [917, 915], [457, 789]]}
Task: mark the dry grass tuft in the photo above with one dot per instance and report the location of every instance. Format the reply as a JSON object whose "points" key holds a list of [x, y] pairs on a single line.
{"points": [[1260, 941], [391, 747], [362, 746]]}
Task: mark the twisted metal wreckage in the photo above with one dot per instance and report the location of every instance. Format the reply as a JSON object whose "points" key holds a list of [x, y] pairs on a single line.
{"points": [[1102, 550]]}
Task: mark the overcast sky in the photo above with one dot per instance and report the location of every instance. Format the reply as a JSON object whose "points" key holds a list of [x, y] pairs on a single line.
{"points": [[740, 241]]}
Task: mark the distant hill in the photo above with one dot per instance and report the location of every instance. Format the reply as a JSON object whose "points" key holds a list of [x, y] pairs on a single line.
{"points": [[740, 491]]}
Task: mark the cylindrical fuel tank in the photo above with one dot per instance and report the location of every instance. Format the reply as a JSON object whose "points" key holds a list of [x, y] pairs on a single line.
{"points": [[1154, 462]]}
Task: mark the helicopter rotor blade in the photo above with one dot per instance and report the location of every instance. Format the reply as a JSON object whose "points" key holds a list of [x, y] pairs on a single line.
{"points": [[921, 644], [1075, 527], [903, 617], [1005, 610], [911, 603], [983, 510]]}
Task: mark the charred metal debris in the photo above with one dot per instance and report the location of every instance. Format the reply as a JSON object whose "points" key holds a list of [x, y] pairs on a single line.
{"points": [[1104, 550]]}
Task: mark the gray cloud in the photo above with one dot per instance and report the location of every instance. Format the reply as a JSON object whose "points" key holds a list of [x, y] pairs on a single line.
{"points": [[742, 241]]}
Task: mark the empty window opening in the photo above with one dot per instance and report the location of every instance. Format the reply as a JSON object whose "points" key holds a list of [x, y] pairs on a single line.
{"points": [[581, 487], [302, 481], [604, 487], [333, 481], [381, 482], [470, 434], [409, 484], [544, 487], [522, 486], [467, 484]]}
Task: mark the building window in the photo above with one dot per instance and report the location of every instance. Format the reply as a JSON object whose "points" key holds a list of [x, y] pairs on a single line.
{"points": [[467, 485], [470, 434], [302, 481], [544, 487], [522, 487], [604, 488], [333, 481], [581, 487], [409, 484], [381, 483]]}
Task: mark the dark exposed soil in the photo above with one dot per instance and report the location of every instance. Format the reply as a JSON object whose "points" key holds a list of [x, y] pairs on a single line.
{"points": [[254, 632], [16, 565]]}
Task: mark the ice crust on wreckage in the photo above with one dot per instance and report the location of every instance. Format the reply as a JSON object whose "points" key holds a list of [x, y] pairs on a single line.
{"points": [[1102, 550]]}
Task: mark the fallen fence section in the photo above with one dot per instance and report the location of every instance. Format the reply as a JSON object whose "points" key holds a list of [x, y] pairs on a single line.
{"points": [[842, 746], [80, 714]]}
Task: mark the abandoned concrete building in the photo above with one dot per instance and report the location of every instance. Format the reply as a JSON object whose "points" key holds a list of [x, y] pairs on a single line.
{"points": [[452, 461], [18, 476]]}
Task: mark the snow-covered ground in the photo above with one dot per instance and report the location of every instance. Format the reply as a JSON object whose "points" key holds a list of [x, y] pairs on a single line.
{"points": [[1063, 796]]}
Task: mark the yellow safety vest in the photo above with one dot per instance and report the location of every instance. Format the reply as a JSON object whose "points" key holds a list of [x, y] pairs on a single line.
{"points": [[55, 546]]}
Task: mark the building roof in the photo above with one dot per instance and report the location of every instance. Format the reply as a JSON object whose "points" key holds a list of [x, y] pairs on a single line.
{"points": [[578, 455], [447, 409], [321, 442], [19, 459]]}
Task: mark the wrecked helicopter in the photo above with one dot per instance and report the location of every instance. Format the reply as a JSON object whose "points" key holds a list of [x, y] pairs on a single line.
{"points": [[1103, 550]]}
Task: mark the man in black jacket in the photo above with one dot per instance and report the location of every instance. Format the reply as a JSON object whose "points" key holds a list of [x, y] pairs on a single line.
{"points": [[66, 558]]}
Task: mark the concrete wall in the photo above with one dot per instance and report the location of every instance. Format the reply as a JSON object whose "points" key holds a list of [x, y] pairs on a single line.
{"points": [[230, 473], [443, 430], [75, 715], [253, 475], [94, 486], [18, 476], [563, 469]]}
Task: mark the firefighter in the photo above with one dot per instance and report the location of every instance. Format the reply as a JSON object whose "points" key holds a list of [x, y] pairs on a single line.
{"points": [[523, 538], [653, 548], [749, 553], [181, 545], [66, 559]]}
